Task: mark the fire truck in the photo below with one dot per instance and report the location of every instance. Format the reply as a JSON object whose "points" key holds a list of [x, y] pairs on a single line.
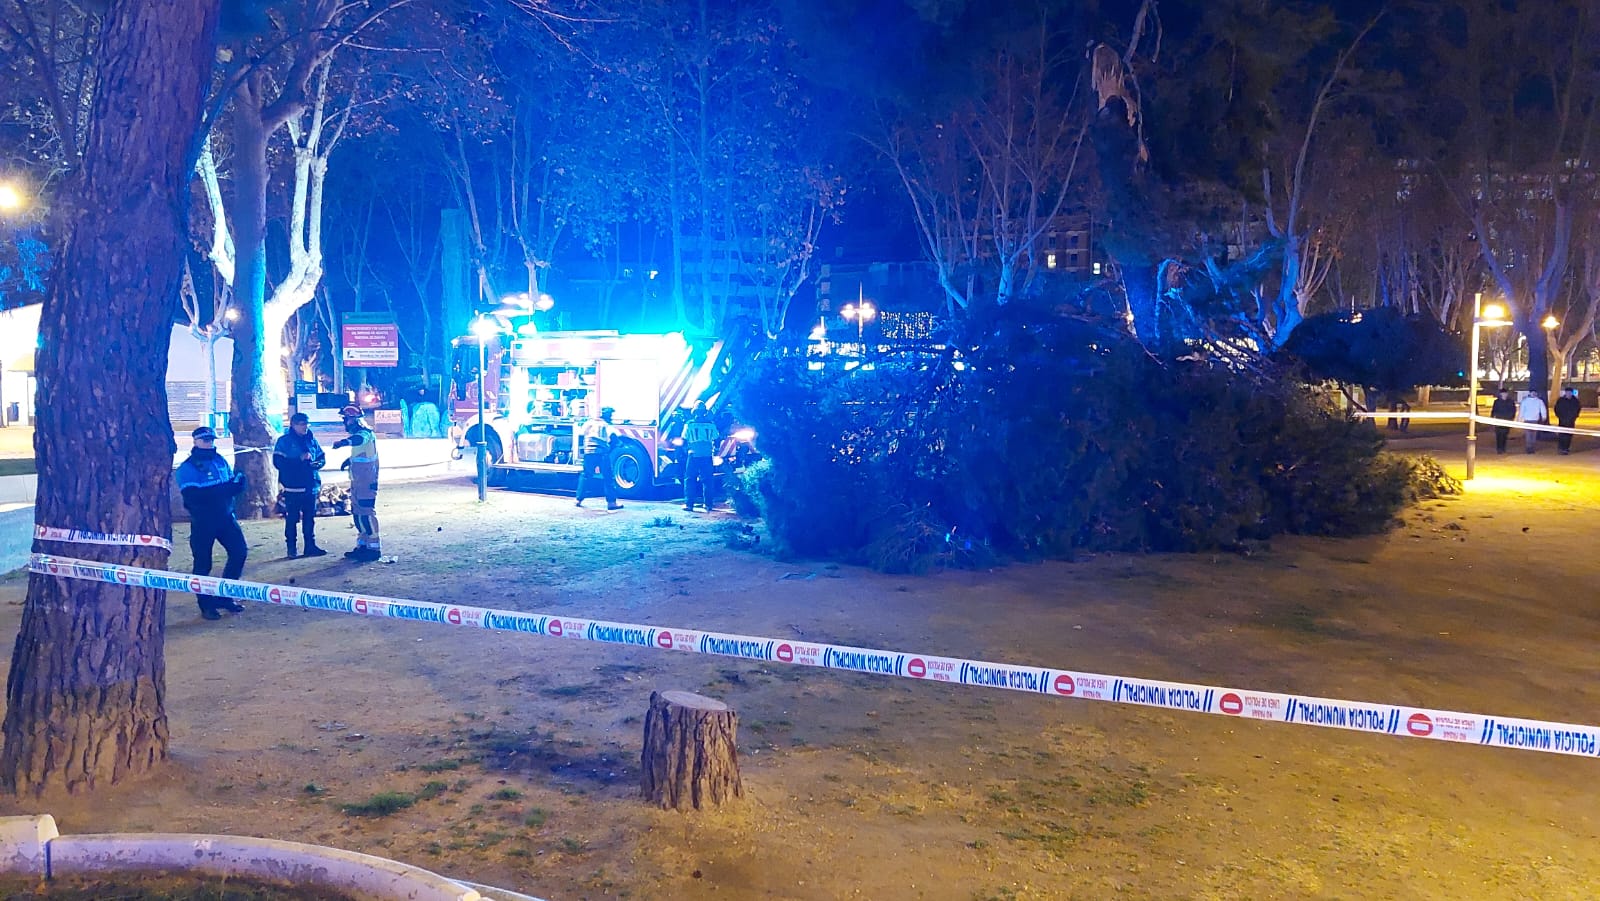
{"points": [[546, 384]]}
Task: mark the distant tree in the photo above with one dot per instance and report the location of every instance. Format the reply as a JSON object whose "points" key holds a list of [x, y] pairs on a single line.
{"points": [[1514, 94], [47, 72], [744, 183], [992, 170], [296, 69]]}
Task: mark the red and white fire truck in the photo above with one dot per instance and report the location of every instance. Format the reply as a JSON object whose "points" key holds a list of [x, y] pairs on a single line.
{"points": [[545, 385]]}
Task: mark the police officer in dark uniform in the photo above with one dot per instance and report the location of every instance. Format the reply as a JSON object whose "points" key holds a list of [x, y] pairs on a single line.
{"points": [[209, 486], [297, 457]]}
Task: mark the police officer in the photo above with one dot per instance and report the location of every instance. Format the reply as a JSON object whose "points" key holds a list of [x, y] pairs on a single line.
{"points": [[297, 456], [363, 444], [209, 486], [596, 436], [700, 444]]}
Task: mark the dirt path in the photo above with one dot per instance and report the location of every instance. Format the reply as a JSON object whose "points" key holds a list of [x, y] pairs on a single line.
{"points": [[879, 788]]}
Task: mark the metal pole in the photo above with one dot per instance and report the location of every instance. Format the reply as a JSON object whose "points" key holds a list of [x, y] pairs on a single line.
{"points": [[1472, 388], [483, 426]]}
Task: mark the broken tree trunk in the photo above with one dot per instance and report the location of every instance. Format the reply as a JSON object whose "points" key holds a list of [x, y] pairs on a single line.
{"points": [[690, 756]]}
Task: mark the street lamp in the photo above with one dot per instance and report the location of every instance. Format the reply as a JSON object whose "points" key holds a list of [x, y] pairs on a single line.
{"points": [[483, 329], [861, 313], [11, 199], [1491, 316]]}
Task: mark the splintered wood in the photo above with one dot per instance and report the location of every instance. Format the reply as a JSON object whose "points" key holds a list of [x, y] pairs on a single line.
{"points": [[691, 758]]}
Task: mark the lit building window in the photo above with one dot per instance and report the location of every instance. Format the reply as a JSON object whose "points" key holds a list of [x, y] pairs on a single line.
{"points": [[1096, 268], [1050, 261]]}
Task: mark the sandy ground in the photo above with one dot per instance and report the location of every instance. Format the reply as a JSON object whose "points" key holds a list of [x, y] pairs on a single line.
{"points": [[887, 789]]}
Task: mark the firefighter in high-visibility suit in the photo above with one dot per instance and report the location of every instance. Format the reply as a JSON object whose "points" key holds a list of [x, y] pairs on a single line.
{"points": [[596, 436], [363, 444], [699, 467]]}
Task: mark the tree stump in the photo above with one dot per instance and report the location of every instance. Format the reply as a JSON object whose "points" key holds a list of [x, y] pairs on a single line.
{"points": [[690, 755]]}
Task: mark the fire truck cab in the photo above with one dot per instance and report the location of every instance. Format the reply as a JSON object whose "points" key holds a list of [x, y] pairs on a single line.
{"points": [[547, 384]]}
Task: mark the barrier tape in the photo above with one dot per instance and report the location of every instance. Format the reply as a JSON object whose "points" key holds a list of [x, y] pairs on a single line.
{"points": [[1357, 716], [1482, 420], [83, 536]]}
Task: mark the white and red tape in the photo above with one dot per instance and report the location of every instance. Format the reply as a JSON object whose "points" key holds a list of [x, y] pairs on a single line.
{"points": [[1359, 716]]}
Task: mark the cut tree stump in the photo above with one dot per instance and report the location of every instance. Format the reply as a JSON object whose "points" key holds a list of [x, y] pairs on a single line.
{"points": [[691, 759]]}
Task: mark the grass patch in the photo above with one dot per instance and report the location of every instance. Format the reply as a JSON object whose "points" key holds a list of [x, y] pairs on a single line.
{"points": [[566, 691], [431, 790], [1134, 794], [536, 818], [506, 794], [17, 467], [381, 804], [440, 766], [660, 522]]}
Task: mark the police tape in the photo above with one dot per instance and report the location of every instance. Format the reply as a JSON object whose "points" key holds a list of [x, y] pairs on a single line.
{"points": [[1260, 706], [1482, 420], [84, 536]]}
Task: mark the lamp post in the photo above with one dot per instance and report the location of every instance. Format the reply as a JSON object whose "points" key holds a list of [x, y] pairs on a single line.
{"points": [[483, 328], [861, 312], [1492, 316], [12, 199]]}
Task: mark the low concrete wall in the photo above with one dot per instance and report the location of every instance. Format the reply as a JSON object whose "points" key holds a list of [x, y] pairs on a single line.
{"points": [[18, 489], [16, 536], [31, 846]]}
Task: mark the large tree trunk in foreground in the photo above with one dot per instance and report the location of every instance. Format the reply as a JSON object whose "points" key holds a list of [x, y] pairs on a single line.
{"points": [[690, 756], [88, 675]]}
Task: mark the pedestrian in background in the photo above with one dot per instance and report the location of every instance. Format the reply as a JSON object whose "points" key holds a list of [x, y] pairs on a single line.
{"points": [[363, 444], [1504, 408], [1533, 411], [297, 456], [209, 485], [699, 468], [1566, 410], [597, 435]]}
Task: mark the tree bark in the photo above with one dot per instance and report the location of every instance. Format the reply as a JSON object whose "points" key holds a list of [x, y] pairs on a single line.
{"points": [[88, 674], [691, 758], [252, 397]]}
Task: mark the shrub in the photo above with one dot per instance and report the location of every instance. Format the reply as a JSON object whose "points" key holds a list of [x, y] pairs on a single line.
{"points": [[1051, 438]]}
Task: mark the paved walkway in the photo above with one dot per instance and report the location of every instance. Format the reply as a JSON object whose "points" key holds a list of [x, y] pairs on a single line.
{"points": [[16, 442]]}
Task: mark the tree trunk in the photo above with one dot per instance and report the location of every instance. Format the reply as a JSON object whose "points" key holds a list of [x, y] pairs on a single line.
{"points": [[1142, 290], [88, 676], [691, 758], [252, 395], [1538, 357]]}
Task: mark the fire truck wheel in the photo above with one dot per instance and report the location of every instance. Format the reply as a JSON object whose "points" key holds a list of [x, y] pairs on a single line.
{"points": [[630, 468]]}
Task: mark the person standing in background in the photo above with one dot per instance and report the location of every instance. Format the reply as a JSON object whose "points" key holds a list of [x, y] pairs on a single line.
{"points": [[1532, 411], [1567, 408]]}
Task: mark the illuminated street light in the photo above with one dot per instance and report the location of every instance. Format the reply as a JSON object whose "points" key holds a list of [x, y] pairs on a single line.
{"points": [[11, 198], [1551, 322], [544, 303], [484, 328], [1492, 316], [861, 312]]}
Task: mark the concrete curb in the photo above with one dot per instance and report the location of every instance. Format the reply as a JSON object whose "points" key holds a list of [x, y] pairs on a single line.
{"points": [[285, 862], [31, 845]]}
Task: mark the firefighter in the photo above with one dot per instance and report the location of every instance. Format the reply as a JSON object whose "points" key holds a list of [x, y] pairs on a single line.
{"points": [[596, 435], [700, 444], [363, 444], [209, 485], [297, 456]]}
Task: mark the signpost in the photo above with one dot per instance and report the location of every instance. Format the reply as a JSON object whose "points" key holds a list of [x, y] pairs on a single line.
{"points": [[370, 339]]}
